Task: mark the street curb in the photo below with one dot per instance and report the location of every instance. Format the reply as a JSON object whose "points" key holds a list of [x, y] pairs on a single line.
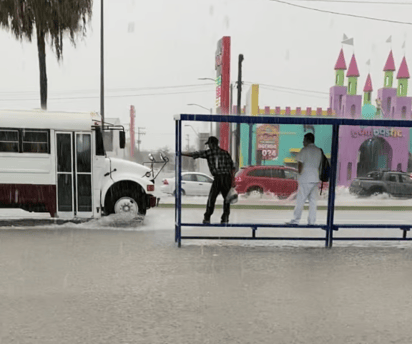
{"points": [[291, 207], [27, 222]]}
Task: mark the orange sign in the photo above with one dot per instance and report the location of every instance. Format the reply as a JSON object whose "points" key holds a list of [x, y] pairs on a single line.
{"points": [[267, 141]]}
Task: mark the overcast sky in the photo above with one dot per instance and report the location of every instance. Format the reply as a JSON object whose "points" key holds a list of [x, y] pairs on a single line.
{"points": [[151, 44]]}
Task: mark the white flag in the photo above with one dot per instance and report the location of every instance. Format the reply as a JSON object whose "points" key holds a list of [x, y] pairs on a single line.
{"points": [[368, 63], [389, 40], [344, 37], [348, 41]]}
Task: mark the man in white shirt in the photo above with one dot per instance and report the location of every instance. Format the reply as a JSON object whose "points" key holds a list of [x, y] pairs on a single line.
{"points": [[309, 159]]}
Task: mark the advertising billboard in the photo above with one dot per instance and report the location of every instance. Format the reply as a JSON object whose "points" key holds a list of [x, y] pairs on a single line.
{"points": [[267, 141]]}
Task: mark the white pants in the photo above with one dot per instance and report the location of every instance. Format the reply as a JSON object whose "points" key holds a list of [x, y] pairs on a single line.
{"points": [[306, 191]]}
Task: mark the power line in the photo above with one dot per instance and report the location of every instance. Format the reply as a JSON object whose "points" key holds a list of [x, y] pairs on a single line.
{"points": [[159, 87], [288, 88], [299, 93], [291, 90], [358, 2], [119, 96], [342, 14], [294, 89], [119, 89]]}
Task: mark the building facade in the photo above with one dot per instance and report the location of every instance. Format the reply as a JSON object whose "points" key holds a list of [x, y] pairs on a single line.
{"points": [[361, 149]]}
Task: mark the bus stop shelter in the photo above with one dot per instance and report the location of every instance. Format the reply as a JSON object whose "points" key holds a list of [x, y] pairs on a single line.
{"points": [[330, 226]]}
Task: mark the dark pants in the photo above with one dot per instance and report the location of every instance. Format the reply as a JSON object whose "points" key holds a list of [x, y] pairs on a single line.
{"points": [[221, 184]]}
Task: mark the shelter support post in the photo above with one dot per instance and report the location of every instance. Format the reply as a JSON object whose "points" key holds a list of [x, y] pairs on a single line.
{"points": [[254, 229], [176, 158], [178, 183], [176, 153], [405, 231], [250, 144], [332, 186]]}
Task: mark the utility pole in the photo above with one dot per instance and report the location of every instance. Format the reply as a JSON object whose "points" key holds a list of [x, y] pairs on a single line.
{"points": [[102, 67], [232, 126], [188, 141], [238, 108], [138, 137], [132, 131], [231, 99], [211, 123]]}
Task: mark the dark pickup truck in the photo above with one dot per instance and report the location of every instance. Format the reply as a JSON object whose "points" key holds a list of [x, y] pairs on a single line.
{"points": [[394, 183]]}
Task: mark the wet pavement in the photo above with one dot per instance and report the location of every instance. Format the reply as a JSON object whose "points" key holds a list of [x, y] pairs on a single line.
{"points": [[102, 282]]}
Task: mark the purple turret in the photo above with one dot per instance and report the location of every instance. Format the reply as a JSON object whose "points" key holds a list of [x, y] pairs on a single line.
{"points": [[339, 90], [367, 91], [387, 94], [351, 102], [402, 104]]}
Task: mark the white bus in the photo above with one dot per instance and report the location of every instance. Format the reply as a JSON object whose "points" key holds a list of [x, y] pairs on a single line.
{"points": [[55, 162]]}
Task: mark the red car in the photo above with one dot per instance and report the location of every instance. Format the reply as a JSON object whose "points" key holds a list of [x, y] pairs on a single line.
{"points": [[279, 180]]}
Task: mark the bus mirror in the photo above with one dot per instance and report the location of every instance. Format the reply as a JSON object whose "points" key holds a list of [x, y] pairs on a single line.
{"points": [[122, 139], [163, 157], [151, 158]]}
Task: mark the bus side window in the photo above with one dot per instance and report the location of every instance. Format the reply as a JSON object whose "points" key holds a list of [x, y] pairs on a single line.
{"points": [[36, 141], [9, 141], [99, 142], [108, 141]]}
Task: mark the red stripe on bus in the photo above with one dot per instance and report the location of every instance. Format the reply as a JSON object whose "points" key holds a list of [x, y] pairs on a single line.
{"points": [[38, 198]]}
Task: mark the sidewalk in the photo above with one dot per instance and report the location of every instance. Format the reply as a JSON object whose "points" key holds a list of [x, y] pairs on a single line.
{"points": [[163, 218]]}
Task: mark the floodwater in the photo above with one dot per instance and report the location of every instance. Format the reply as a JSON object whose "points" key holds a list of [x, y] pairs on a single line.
{"points": [[114, 281], [342, 198]]}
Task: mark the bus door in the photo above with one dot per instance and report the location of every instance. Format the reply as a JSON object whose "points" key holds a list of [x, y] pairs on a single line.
{"points": [[74, 174]]}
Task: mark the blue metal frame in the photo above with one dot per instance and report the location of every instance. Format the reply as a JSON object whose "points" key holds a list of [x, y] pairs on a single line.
{"points": [[330, 226], [178, 184]]}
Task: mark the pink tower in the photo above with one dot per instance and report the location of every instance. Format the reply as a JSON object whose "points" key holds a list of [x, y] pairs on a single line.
{"points": [[337, 91]]}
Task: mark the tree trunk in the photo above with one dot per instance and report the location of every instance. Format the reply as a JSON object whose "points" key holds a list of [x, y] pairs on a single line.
{"points": [[41, 47]]}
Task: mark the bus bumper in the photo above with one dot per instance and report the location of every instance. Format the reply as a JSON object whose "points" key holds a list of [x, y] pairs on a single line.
{"points": [[152, 201]]}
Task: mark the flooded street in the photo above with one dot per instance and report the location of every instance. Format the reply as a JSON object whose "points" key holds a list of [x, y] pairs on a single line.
{"points": [[102, 283], [114, 150]]}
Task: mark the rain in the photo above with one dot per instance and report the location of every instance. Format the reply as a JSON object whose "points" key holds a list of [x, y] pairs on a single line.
{"points": [[106, 234]]}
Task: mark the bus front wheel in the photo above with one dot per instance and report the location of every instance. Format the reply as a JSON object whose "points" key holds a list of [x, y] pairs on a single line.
{"points": [[127, 202]]}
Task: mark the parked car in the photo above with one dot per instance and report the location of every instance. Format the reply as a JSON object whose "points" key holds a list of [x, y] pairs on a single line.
{"points": [[280, 180], [193, 184], [392, 182]]}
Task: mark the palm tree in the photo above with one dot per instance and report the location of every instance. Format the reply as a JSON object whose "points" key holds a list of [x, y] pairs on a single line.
{"points": [[46, 19]]}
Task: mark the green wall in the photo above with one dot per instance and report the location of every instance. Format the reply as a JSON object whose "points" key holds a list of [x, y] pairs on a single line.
{"points": [[291, 136]]}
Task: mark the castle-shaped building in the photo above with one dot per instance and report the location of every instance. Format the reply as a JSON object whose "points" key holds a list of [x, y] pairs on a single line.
{"points": [[361, 149], [364, 149]]}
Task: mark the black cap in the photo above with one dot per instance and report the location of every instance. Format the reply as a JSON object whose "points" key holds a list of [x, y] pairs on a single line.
{"points": [[212, 140]]}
